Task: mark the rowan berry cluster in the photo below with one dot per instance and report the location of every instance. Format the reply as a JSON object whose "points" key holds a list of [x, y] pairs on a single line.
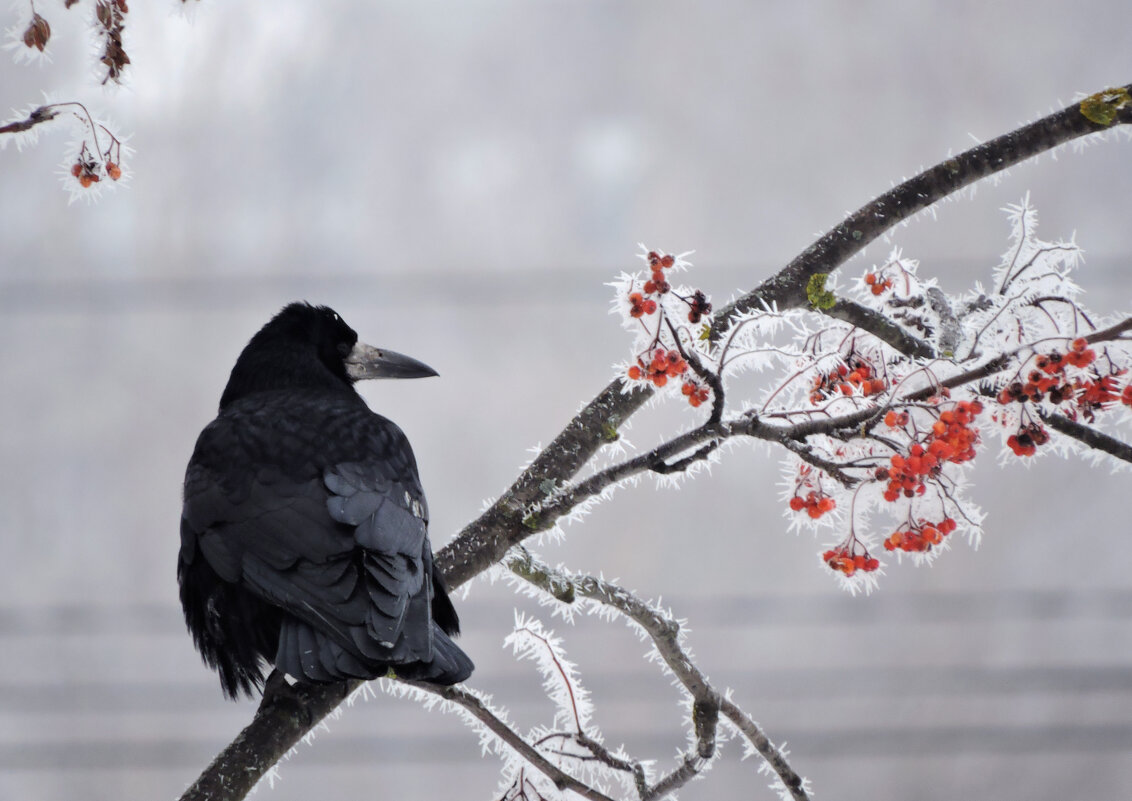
{"points": [[844, 560], [658, 264], [1093, 393], [661, 365], [816, 503], [895, 419], [639, 305], [1027, 440], [696, 392], [877, 284], [952, 438], [846, 379], [919, 537], [1048, 376]]}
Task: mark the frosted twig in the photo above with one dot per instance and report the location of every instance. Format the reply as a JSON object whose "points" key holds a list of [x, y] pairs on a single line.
{"points": [[707, 702], [561, 779]]}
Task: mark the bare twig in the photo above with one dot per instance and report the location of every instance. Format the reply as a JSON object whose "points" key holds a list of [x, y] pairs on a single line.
{"points": [[38, 116]]}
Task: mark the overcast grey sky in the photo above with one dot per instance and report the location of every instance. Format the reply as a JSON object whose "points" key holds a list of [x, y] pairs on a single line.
{"points": [[459, 179]]}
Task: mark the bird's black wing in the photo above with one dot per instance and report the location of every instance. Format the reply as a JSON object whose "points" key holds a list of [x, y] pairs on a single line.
{"points": [[312, 506]]}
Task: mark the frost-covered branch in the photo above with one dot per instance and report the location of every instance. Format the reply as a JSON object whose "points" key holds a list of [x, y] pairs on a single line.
{"points": [[475, 706], [881, 327], [1090, 437], [664, 632], [787, 287]]}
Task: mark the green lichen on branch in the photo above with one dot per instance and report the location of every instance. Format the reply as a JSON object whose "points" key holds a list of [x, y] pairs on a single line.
{"points": [[817, 294], [1101, 108], [522, 564]]}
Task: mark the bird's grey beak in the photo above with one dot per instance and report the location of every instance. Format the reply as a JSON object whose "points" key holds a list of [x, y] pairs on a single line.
{"points": [[366, 361]]}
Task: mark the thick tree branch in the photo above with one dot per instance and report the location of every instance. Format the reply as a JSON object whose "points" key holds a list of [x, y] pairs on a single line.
{"points": [[1097, 440], [484, 541], [787, 287], [881, 327]]}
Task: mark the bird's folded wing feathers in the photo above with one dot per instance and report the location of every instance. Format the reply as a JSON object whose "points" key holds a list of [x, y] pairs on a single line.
{"points": [[300, 546]]}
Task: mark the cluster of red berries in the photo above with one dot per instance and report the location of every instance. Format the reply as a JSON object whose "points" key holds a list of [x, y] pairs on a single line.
{"points": [[639, 305], [843, 560], [895, 419], [919, 537], [816, 503], [1048, 375], [1048, 380], [698, 306], [696, 392], [877, 285], [846, 380], [952, 439], [1092, 394], [661, 365], [658, 264], [1027, 440]]}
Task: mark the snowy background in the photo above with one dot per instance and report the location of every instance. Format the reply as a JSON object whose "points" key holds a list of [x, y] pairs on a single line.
{"points": [[459, 180]]}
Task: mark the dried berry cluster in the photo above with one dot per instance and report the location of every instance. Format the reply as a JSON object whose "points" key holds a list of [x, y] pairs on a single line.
{"points": [[87, 164], [37, 33], [919, 537], [698, 306], [111, 20], [854, 376], [661, 365]]}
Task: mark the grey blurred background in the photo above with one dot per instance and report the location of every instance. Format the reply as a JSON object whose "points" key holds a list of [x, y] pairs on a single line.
{"points": [[458, 180]]}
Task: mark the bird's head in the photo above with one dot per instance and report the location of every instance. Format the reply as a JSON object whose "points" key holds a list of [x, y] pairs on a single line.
{"points": [[305, 346]]}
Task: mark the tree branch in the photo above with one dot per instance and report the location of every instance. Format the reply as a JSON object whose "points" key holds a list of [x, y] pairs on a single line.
{"points": [[881, 327], [1097, 440], [561, 779], [787, 287], [664, 631]]}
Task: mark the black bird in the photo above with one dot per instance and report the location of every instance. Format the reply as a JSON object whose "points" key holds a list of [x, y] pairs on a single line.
{"points": [[304, 531]]}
